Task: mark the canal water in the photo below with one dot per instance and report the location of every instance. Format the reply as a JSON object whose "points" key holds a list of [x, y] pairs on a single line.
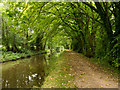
{"points": [[26, 73]]}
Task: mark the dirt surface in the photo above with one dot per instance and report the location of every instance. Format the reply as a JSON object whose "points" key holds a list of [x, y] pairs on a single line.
{"points": [[88, 75]]}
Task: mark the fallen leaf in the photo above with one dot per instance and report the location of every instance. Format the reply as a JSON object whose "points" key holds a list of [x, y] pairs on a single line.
{"points": [[106, 84], [101, 86], [79, 81], [51, 78]]}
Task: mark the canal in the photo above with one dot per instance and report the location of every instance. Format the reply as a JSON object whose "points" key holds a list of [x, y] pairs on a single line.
{"points": [[26, 73]]}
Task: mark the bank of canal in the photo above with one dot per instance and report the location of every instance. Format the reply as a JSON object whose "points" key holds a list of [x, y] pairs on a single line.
{"points": [[26, 73]]}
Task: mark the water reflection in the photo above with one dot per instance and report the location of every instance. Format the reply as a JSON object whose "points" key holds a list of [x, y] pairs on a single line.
{"points": [[25, 73]]}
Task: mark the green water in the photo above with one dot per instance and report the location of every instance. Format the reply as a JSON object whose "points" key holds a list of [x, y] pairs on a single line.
{"points": [[25, 73]]}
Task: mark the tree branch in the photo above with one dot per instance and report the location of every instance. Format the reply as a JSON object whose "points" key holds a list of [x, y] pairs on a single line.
{"points": [[92, 7]]}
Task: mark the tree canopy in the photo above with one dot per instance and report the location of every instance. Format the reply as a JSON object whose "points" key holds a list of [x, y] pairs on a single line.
{"points": [[86, 27]]}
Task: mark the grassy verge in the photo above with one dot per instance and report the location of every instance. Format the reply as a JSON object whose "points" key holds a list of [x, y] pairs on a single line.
{"points": [[106, 67], [59, 74], [11, 56]]}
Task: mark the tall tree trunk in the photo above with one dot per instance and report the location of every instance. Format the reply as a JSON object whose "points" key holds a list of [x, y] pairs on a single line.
{"points": [[3, 32], [14, 47], [7, 38], [107, 24], [105, 18], [44, 44], [26, 46], [93, 36], [37, 44]]}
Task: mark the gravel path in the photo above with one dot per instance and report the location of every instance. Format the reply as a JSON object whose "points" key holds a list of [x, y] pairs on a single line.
{"points": [[88, 75]]}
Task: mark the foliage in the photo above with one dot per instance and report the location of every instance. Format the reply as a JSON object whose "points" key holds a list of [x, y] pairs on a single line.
{"points": [[8, 56], [89, 28]]}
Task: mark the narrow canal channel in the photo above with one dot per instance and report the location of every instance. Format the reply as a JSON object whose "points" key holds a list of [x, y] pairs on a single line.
{"points": [[26, 73]]}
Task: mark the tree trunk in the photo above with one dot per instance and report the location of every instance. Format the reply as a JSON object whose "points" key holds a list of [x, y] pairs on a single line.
{"points": [[7, 38], [14, 47], [3, 33]]}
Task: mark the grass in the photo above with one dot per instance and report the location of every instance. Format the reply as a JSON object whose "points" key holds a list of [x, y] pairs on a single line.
{"points": [[11, 56], [59, 74]]}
